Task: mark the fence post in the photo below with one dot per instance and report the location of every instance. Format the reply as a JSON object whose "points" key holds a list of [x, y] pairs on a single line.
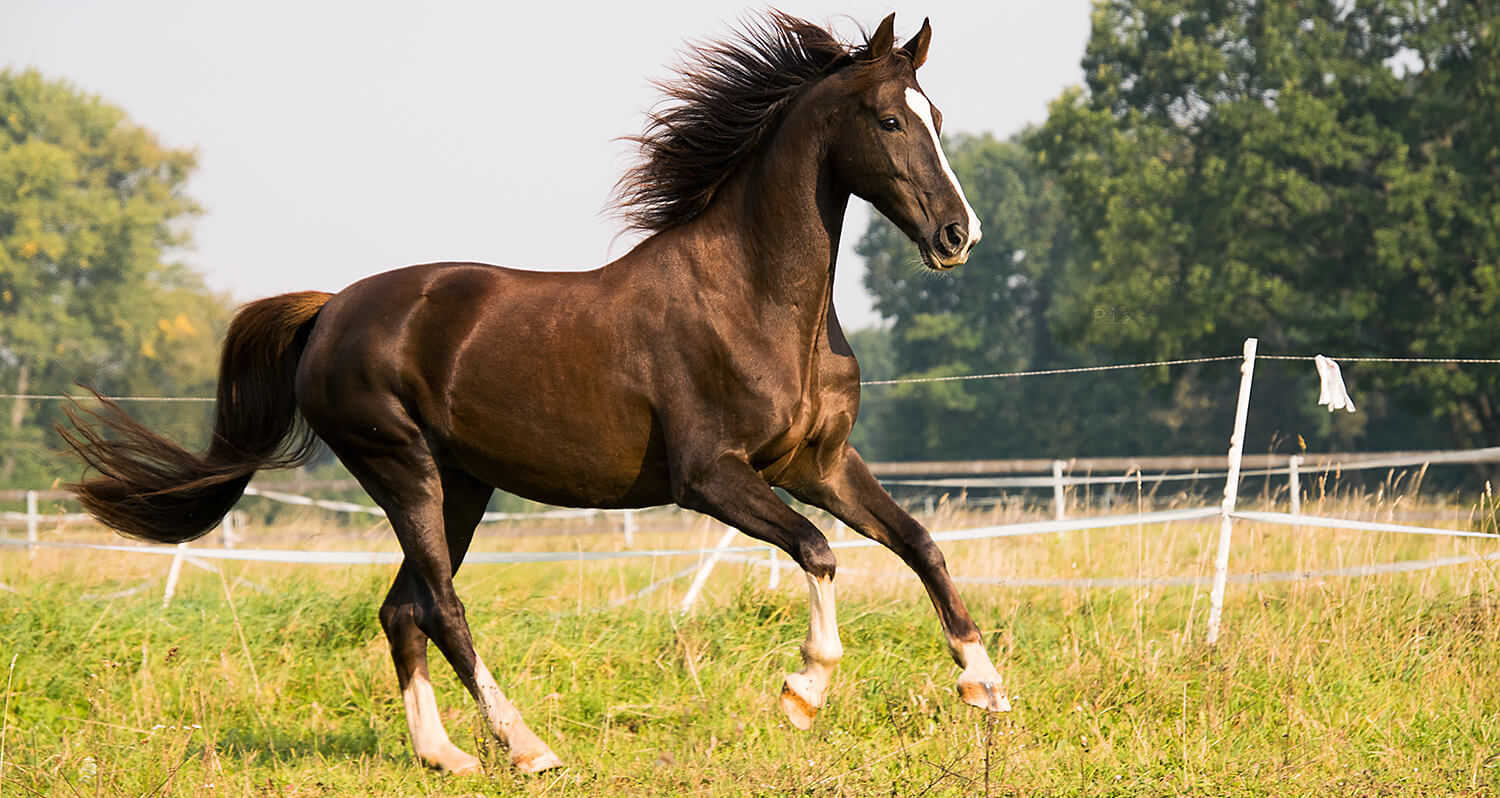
{"points": [[629, 517], [775, 578], [33, 522], [227, 530], [174, 573], [1231, 491], [1294, 485], [1059, 496], [708, 565]]}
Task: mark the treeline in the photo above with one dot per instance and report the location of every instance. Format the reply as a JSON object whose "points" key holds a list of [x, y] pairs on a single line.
{"points": [[90, 207], [1320, 175]]}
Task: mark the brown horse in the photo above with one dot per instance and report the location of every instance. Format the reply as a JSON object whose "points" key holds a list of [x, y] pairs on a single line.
{"points": [[705, 367]]}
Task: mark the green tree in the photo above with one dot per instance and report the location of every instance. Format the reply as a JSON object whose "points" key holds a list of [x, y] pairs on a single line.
{"points": [[89, 206], [998, 313], [1272, 169], [991, 315], [1445, 256]]}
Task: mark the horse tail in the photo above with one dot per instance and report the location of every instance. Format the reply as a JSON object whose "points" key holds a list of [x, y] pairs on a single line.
{"points": [[154, 489]]}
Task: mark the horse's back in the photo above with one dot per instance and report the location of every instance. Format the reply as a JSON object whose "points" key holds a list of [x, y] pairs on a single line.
{"points": [[513, 376]]}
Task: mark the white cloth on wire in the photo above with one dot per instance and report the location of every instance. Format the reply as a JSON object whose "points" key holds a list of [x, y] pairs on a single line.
{"points": [[1333, 393]]}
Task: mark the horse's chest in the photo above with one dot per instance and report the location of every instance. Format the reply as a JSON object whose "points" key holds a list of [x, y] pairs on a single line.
{"points": [[801, 419]]}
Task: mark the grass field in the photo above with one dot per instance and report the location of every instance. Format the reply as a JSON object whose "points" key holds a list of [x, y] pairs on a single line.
{"points": [[274, 680]]}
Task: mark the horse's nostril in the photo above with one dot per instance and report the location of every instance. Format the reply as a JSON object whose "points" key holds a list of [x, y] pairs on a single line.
{"points": [[954, 236]]}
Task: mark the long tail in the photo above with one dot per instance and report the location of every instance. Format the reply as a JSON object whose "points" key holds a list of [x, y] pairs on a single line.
{"points": [[150, 487]]}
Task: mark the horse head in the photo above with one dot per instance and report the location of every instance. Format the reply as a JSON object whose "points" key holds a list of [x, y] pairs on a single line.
{"points": [[887, 149]]}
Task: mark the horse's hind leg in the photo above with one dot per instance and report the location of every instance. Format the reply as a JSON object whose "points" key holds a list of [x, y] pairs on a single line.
{"points": [[409, 651], [423, 605], [464, 500]]}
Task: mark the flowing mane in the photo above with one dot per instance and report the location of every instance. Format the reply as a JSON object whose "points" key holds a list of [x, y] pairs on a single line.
{"points": [[726, 96]]}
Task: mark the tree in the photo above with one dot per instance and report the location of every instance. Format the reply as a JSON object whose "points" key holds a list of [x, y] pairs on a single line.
{"points": [[1271, 169], [991, 315], [89, 205], [1447, 253]]}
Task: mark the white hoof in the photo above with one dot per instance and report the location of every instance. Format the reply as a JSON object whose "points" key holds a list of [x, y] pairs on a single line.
{"points": [[450, 759], [536, 760], [985, 693], [800, 701]]}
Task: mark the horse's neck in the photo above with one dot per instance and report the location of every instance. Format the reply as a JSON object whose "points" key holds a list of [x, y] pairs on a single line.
{"points": [[781, 217]]}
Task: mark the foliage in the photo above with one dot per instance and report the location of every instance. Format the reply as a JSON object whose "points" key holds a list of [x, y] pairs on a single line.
{"points": [[89, 205], [1317, 174], [998, 314]]}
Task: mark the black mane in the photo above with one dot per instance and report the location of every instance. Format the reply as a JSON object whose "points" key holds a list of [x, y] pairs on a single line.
{"points": [[725, 98]]}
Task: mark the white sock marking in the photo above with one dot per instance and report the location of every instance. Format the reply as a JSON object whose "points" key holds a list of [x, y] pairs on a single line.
{"points": [[428, 737], [823, 646], [505, 721], [822, 651], [973, 658]]}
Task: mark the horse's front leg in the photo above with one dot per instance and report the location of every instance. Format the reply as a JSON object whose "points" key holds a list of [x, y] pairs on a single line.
{"points": [[848, 490], [730, 490]]}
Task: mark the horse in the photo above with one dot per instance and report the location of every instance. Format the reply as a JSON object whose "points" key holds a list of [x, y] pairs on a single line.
{"points": [[705, 367]]}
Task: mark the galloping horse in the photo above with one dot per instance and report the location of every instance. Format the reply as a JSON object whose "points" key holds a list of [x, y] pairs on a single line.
{"points": [[703, 368]]}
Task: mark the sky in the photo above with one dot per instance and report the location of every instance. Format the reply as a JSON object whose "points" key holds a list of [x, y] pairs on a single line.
{"points": [[340, 139]]}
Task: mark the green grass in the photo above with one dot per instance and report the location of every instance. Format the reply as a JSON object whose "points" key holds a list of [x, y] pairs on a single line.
{"points": [[1386, 685]]}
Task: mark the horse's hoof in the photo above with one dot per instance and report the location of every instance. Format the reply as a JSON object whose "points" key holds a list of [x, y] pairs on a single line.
{"points": [[983, 693], [536, 760], [451, 760], [796, 702]]}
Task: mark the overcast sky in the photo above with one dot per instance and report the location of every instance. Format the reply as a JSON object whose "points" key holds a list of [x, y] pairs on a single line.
{"points": [[336, 140]]}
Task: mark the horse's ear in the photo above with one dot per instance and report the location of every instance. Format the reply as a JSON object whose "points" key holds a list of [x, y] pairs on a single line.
{"points": [[884, 38], [917, 47]]}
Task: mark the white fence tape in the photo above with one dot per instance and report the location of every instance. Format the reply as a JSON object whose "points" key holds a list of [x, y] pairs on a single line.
{"points": [[1485, 455], [1057, 481], [1367, 526], [67, 518], [351, 507], [491, 558], [1206, 580], [979, 533]]}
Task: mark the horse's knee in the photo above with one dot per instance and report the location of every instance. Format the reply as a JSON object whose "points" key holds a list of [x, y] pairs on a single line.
{"points": [[815, 557], [929, 554]]}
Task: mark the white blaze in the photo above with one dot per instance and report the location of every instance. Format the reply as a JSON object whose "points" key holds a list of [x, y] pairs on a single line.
{"points": [[922, 107]]}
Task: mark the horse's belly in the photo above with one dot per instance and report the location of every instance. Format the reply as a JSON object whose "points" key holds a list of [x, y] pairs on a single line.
{"points": [[580, 460]]}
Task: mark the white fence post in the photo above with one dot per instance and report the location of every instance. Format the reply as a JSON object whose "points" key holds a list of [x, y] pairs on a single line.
{"points": [[775, 578], [629, 516], [173, 574], [1294, 485], [703, 570], [33, 522], [1231, 491], [227, 530], [1059, 496]]}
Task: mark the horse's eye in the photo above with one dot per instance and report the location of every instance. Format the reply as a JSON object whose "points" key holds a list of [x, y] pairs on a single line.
{"points": [[890, 124]]}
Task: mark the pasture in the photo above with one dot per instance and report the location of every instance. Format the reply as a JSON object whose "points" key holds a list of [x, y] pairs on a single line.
{"points": [[275, 680]]}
